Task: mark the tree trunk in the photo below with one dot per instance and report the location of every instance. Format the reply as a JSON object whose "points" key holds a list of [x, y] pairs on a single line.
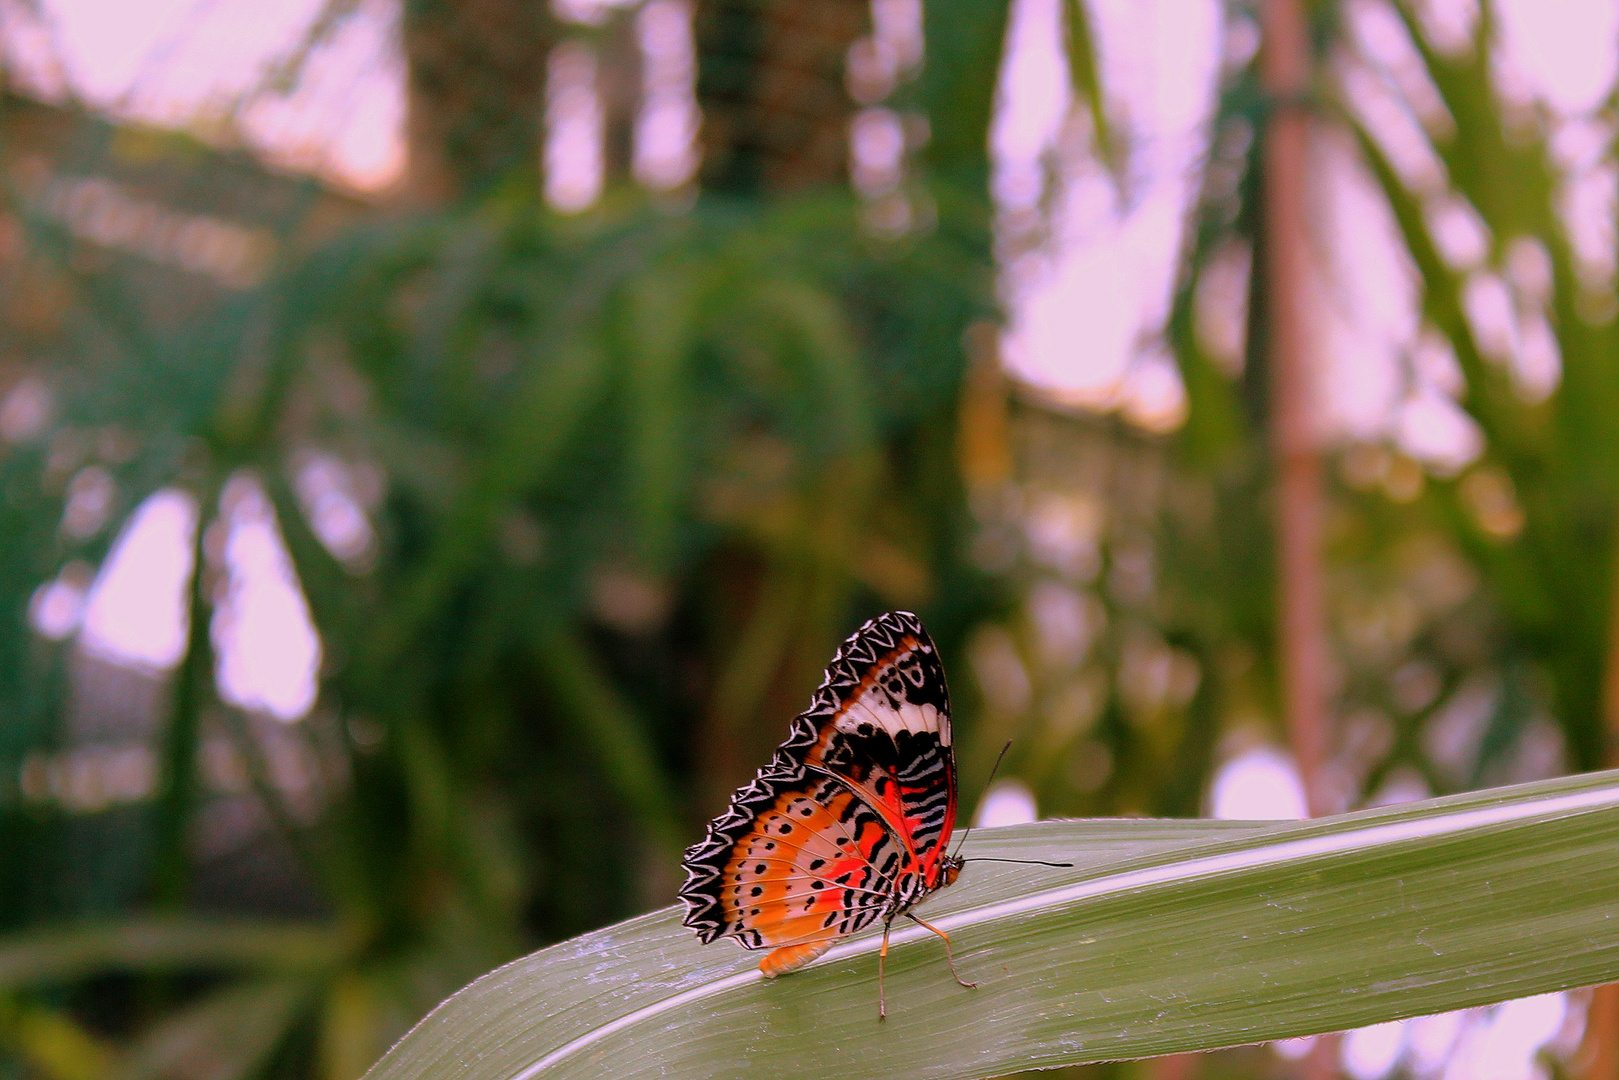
{"points": [[1599, 1056], [476, 94], [620, 74], [1300, 626], [1300, 623], [770, 82]]}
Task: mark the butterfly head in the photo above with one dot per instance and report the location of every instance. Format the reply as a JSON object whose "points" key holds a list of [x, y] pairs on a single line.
{"points": [[949, 870]]}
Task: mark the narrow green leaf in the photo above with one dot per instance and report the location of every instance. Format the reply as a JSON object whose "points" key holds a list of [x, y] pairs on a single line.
{"points": [[54, 1045], [193, 688], [228, 1033], [1165, 937], [660, 331], [1079, 37], [965, 40], [546, 410], [59, 956], [816, 335], [609, 724]]}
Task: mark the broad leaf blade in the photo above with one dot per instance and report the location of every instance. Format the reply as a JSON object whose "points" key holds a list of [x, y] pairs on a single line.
{"points": [[1166, 936]]}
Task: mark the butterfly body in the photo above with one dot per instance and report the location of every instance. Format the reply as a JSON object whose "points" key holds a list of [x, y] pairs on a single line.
{"points": [[847, 826]]}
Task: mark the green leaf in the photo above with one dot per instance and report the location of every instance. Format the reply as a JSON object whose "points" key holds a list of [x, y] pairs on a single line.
{"points": [[54, 1046], [610, 726], [226, 1034], [1079, 37], [965, 39], [660, 331], [1164, 937], [60, 956], [547, 408]]}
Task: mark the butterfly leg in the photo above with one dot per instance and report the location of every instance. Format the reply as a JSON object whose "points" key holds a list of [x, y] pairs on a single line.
{"points": [[949, 959], [882, 954]]}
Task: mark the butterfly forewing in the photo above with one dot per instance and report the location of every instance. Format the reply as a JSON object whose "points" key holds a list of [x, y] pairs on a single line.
{"points": [[848, 823], [888, 736]]}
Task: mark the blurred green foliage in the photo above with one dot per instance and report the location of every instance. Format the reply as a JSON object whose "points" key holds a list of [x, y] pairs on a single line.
{"points": [[641, 469]]}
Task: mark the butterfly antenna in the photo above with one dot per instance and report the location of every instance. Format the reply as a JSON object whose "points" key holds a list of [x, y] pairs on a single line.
{"points": [[968, 831], [993, 770]]}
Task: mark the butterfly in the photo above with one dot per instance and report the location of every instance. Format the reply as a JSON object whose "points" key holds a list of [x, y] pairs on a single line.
{"points": [[849, 823]]}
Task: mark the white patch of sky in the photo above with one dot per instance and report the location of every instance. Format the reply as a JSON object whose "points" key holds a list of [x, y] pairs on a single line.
{"points": [[174, 61], [666, 130], [1086, 308], [587, 12], [334, 496], [1034, 100], [56, 608], [1363, 295], [1496, 1042], [1007, 802], [1260, 784], [573, 128], [1370, 1053], [1563, 54], [356, 79], [265, 641], [135, 612]]}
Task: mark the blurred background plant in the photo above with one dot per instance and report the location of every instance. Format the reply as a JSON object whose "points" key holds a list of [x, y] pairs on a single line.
{"points": [[441, 442]]}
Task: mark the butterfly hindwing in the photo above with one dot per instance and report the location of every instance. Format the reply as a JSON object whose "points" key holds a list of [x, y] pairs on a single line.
{"points": [[818, 863]]}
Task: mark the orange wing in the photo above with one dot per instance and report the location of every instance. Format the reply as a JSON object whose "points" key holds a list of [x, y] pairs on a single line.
{"points": [[813, 865]]}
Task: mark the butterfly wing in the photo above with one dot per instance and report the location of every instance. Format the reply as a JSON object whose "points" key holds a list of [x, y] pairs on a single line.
{"points": [[854, 810], [881, 723], [791, 864]]}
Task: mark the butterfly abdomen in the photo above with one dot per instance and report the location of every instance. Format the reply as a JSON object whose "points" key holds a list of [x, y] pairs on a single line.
{"points": [[791, 958]]}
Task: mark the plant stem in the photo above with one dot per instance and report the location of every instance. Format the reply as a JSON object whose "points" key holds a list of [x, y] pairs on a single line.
{"points": [[192, 682]]}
